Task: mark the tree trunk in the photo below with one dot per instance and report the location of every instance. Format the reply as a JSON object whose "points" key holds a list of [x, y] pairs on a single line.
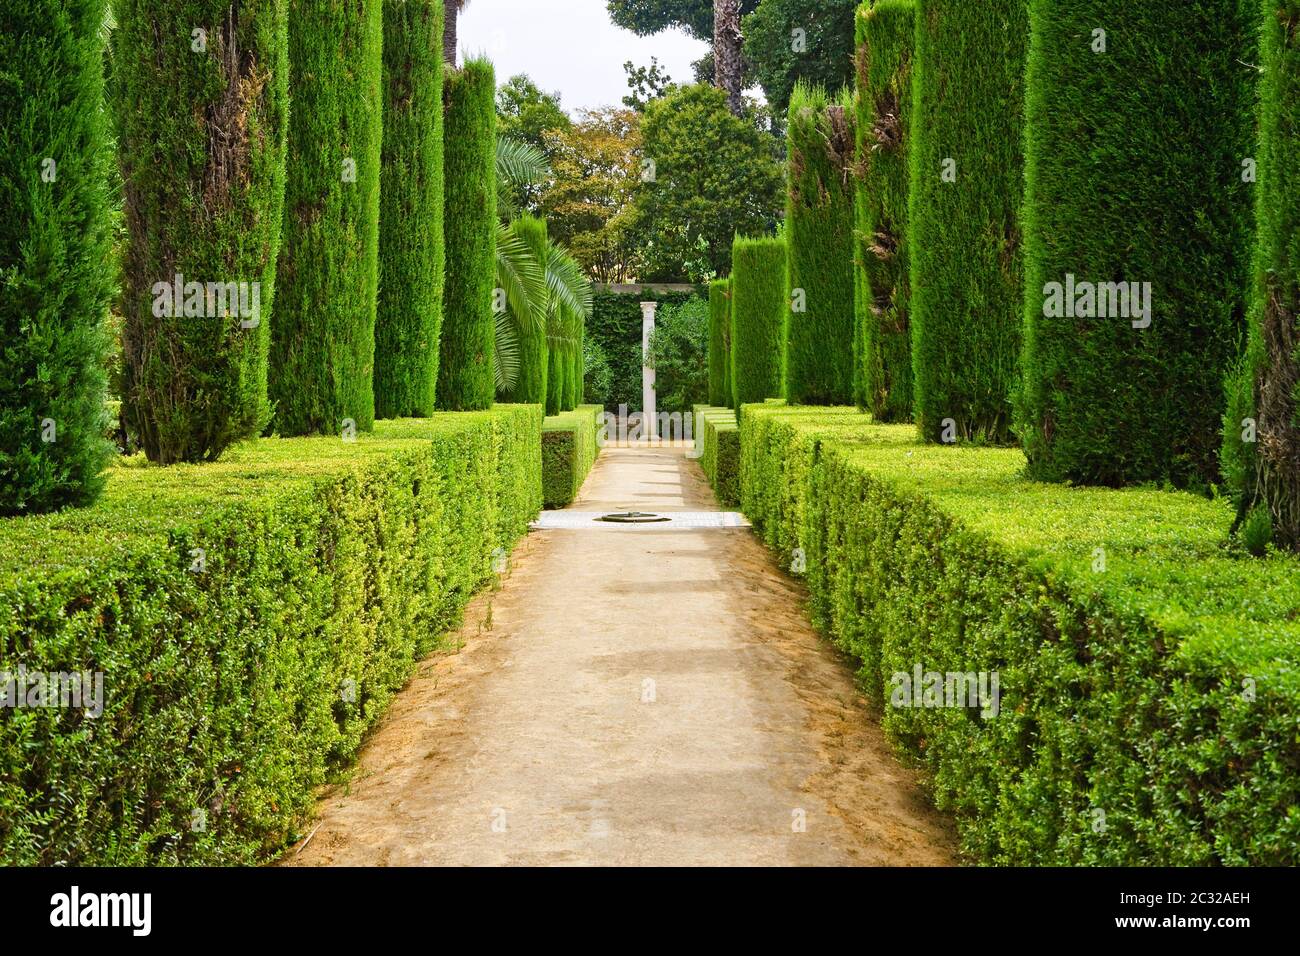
{"points": [[727, 64], [451, 10]]}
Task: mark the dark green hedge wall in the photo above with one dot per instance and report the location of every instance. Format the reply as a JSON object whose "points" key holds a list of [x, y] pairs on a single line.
{"points": [[967, 272], [465, 373], [1134, 176], [758, 316], [1267, 386], [819, 224], [56, 272], [883, 335], [615, 325], [323, 336], [204, 204], [720, 343], [409, 316]]}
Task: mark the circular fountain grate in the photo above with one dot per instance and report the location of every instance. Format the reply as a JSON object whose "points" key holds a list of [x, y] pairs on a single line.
{"points": [[633, 517]]}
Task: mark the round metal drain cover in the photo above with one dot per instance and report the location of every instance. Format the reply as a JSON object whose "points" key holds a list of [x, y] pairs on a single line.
{"points": [[633, 517]]}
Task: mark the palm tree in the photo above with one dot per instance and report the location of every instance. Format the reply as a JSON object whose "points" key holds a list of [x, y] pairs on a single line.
{"points": [[728, 65], [450, 11], [555, 293]]}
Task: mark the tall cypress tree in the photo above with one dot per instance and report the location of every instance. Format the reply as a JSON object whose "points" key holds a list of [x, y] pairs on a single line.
{"points": [[55, 257], [409, 314], [323, 337], [204, 203], [758, 311], [967, 184], [719, 342], [465, 373], [534, 357], [819, 225], [883, 339], [1261, 450], [1137, 236]]}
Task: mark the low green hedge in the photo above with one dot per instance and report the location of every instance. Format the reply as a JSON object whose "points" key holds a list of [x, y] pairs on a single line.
{"points": [[233, 688], [1149, 688], [568, 452], [719, 439]]}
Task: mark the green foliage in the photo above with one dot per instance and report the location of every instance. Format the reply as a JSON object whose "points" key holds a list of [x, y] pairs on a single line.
{"points": [[569, 448], [615, 327], [597, 377], [204, 203], [239, 685], [819, 228], [557, 370], [56, 268], [825, 57], [1143, 671], [648, 17], [1134, 175], [758, 315], [713, 175], [883, 338], [720, 343], [1266, 387], [409, 317], [720, 458], [323, 335], [526, 114], [530, 382], [679, 354], [966, 269], [466, 380], [577, 373]]}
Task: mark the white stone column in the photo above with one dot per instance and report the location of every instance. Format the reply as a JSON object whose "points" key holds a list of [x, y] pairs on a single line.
{"points": [[649, 418]]}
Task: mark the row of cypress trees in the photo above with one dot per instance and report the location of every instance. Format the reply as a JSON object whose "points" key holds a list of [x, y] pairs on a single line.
{"points": [[1064, 225], [283, 268]]}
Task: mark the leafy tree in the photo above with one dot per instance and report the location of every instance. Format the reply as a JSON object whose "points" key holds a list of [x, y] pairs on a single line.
{"points": [[779, 56], [646, 83], [525, 114], [708, 176], [648, 17], [589, 199]]}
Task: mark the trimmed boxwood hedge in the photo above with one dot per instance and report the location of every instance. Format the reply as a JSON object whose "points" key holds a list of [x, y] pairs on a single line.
{"points": [[466, 376], [1148, 676], [819, 231], [230, 694], [323, 337], [882, 338], [1133, 176], [966, 268], [1266, 387], [718, 437], [408, 322], [56, 263], [758, 317], [569, 449]]}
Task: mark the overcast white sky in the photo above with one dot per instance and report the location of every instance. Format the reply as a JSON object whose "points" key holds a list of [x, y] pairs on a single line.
{"points": [[570, 47]]}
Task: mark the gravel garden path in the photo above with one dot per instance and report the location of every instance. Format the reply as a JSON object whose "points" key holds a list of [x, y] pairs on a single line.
{"points": [[650, 695]]}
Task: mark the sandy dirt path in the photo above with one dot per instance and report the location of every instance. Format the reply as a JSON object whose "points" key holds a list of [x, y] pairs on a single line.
{"points": [[632, 697]]}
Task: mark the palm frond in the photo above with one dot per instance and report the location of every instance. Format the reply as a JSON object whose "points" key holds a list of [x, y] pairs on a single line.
{"points": [[520, 164], [521, 277], [506, 367], [570, 293]]}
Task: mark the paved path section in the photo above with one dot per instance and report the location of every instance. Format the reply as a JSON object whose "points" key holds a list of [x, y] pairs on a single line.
{"points": [[632, 696]]}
